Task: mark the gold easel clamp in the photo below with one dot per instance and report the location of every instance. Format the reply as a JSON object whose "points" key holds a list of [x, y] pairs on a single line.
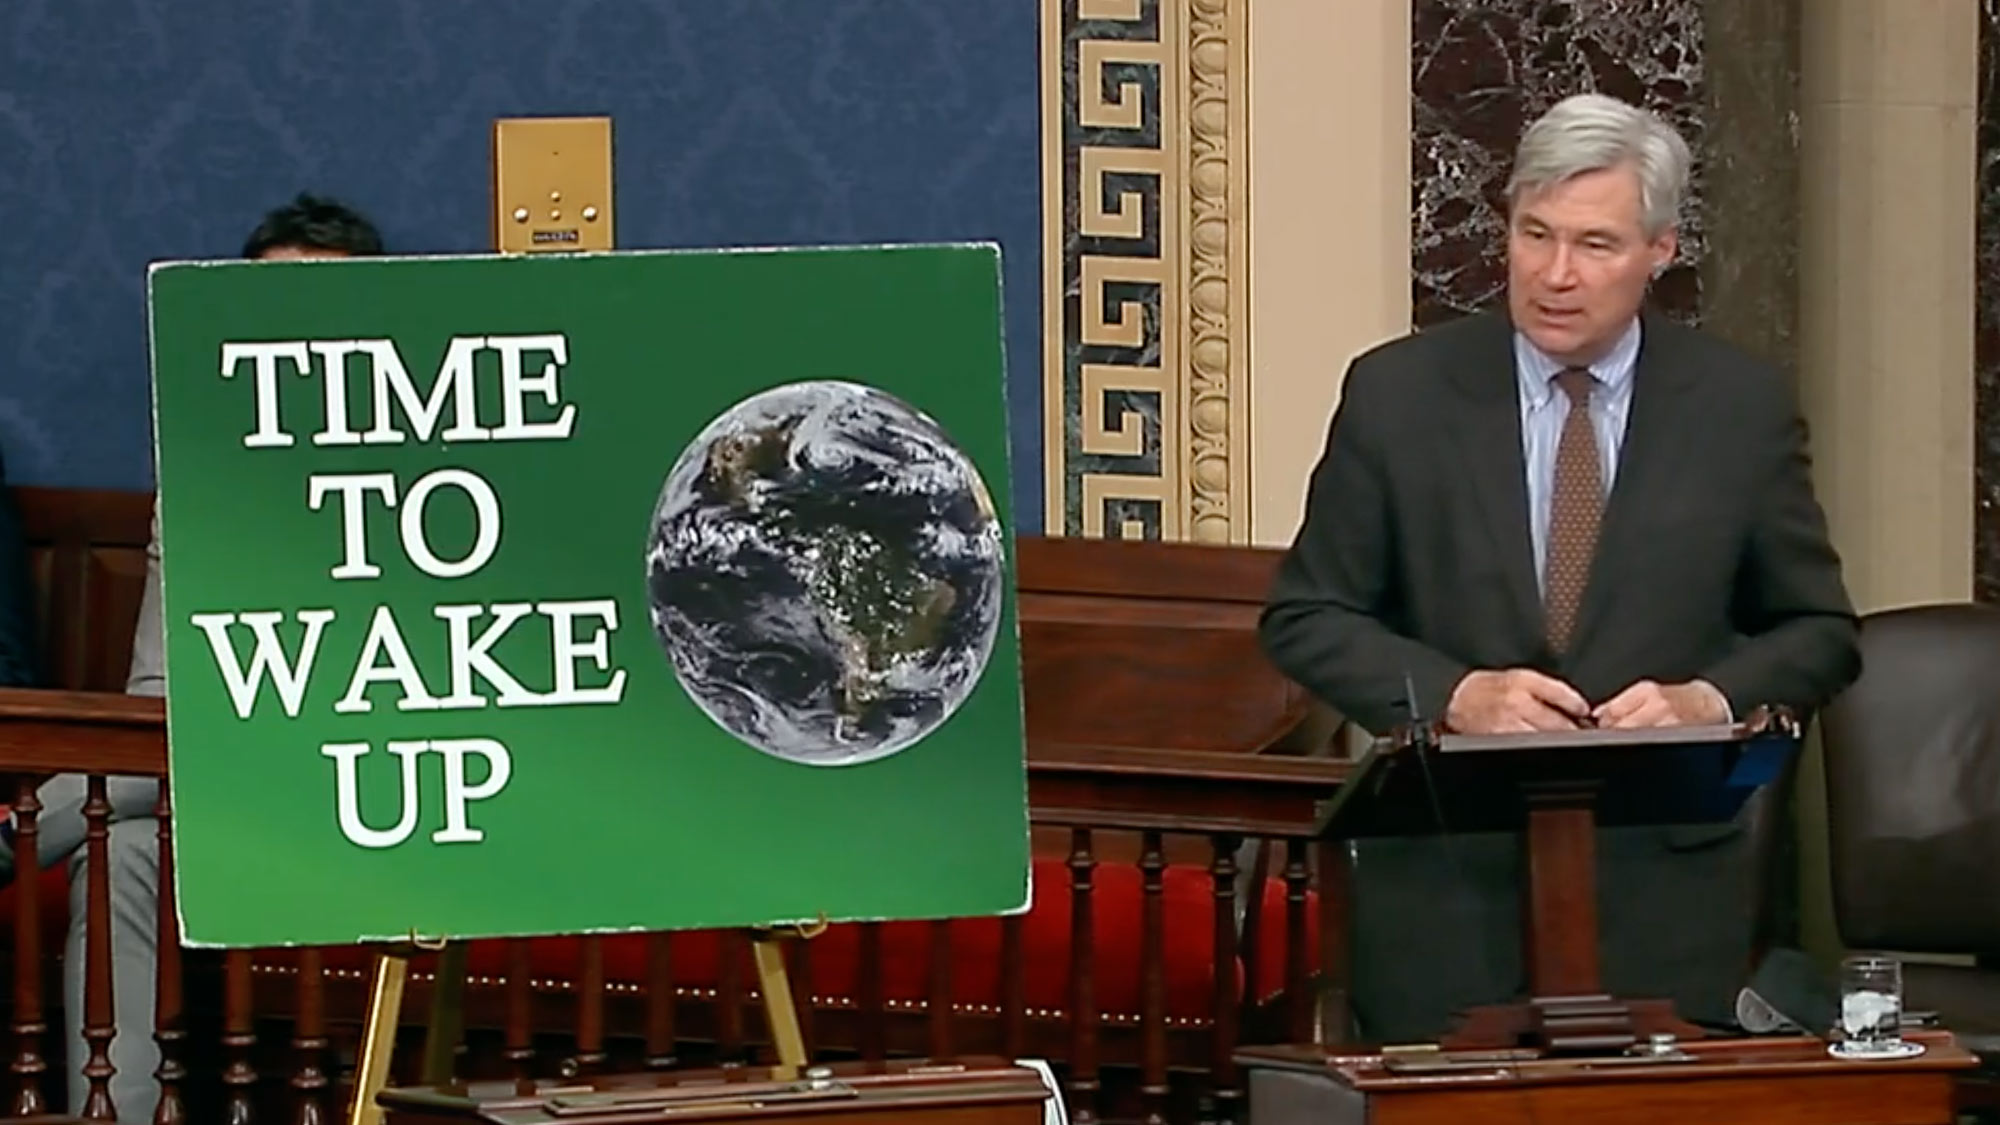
{"points": [[774, 983], [385, 1007]]}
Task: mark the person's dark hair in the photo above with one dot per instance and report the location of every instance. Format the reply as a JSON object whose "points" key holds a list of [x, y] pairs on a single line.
{"points": [[316, 223]]}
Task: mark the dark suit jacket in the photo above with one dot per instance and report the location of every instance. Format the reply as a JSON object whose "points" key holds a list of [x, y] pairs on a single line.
{"points": [[17, 630], [1415, 555]]}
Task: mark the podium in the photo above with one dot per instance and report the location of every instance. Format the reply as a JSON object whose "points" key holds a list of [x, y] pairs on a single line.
{"points": [[1569, 1051], [1557, 789], [964, 1092]]}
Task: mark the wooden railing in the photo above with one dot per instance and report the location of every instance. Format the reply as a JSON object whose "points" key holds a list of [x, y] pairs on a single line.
{"points": [[1159, 792], [284, 1019]]}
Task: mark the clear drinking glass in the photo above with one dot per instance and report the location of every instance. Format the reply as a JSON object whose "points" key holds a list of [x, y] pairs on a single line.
{"points": [[1871, 1004]]}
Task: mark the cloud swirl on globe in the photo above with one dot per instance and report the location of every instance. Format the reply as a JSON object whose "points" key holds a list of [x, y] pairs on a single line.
{"points": [[825, 573]]}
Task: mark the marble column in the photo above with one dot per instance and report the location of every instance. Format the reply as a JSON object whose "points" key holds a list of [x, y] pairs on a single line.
{"points": [[1749, 153], [1986, 344], [1481, 70], [1750, 162]]}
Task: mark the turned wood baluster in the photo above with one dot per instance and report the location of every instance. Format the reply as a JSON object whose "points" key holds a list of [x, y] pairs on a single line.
{"points": [[868, 995], [1013, 989], [729, 996], [661, 1049], [1298, 990], [1222, 1056], [239, 1039], [309, 1042], [168, 1026], [590, 1022], [98, 1025], [1083, 1082], [1153, 979], [28, 1065], [520, 1049], [938, 998]]}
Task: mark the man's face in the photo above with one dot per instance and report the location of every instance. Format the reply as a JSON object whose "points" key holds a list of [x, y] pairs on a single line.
{"points": [[294, 253], [1578, 262]]}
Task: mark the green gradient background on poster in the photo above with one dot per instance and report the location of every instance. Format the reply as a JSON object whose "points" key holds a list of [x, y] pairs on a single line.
{"points": [[640, 815]]}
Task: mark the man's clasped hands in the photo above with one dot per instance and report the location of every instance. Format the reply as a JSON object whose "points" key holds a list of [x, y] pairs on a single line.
{"points": [[1522, 700]]}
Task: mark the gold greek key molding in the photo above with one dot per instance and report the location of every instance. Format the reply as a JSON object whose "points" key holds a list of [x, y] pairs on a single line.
{"points": [[1145, 139], [1218, 328]]}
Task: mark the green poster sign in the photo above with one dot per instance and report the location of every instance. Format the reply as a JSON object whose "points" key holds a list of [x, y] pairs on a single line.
{"points": [[554, 594]]}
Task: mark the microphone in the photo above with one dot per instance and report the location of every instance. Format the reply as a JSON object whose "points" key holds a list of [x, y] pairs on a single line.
{"points": [[1421, 735], [1422, 741]]}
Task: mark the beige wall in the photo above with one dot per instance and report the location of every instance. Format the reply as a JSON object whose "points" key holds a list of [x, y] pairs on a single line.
{"points": [[1329, 225], [1886, 258], [1888, 96]]}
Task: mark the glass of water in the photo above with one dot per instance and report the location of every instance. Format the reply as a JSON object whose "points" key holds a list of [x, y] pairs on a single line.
{"points": [[1871, 1005]]}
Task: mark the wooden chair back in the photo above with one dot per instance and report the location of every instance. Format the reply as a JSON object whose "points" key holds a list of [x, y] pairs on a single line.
{"points": [[1150, 644], [87, 557]]}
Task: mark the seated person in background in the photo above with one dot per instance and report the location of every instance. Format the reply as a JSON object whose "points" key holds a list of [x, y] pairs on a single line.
{"points": [[17, 625], [308, 227]]}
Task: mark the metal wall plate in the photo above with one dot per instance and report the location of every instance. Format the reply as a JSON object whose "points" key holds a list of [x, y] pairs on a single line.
{"points": [[552, 184]]}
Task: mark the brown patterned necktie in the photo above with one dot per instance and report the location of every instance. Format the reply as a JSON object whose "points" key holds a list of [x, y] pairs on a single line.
{"points": [[1576, 504]]}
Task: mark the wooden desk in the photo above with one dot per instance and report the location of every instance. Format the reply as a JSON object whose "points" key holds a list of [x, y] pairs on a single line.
{"points": [[967, 1092], [1725, 1082]]}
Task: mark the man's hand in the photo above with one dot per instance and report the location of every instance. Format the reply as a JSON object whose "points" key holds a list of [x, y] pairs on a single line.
{"points": [[1649, 704], [1515, 700]]}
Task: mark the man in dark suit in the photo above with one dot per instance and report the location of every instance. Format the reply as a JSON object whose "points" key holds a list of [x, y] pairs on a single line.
{"points": [[1573, 514]]}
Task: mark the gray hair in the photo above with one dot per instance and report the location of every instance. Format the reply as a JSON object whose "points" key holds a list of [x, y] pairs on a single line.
{"points": [[1592, 132]]}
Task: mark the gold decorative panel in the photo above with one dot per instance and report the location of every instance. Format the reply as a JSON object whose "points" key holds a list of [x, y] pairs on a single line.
{"points": [[1146, 275], [552, 184]]}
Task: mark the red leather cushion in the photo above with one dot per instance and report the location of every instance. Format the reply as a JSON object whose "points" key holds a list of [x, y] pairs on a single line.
{"points": [[1188, 908], [53, 889], [1187, 902]]}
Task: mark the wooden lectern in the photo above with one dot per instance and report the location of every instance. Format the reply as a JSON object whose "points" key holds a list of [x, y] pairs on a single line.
{"points": [[966, 1092], [1557, 789], [1569, 1051]]}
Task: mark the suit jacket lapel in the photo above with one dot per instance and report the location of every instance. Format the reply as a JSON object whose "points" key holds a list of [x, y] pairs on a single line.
{"points": [[1489, 433], [1644, 470]]}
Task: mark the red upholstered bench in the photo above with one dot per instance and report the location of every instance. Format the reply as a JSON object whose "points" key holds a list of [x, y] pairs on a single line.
{"points": [[53, 888], [1187, 897], [976, 948]]}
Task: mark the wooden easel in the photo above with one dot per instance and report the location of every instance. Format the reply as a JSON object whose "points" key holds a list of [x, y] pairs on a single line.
{"points": [[447, 1015], [385, 1009], [552, 192]]}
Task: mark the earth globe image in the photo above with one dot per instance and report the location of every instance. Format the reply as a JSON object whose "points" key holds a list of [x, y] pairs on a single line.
{"points": [[825, 573]]}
